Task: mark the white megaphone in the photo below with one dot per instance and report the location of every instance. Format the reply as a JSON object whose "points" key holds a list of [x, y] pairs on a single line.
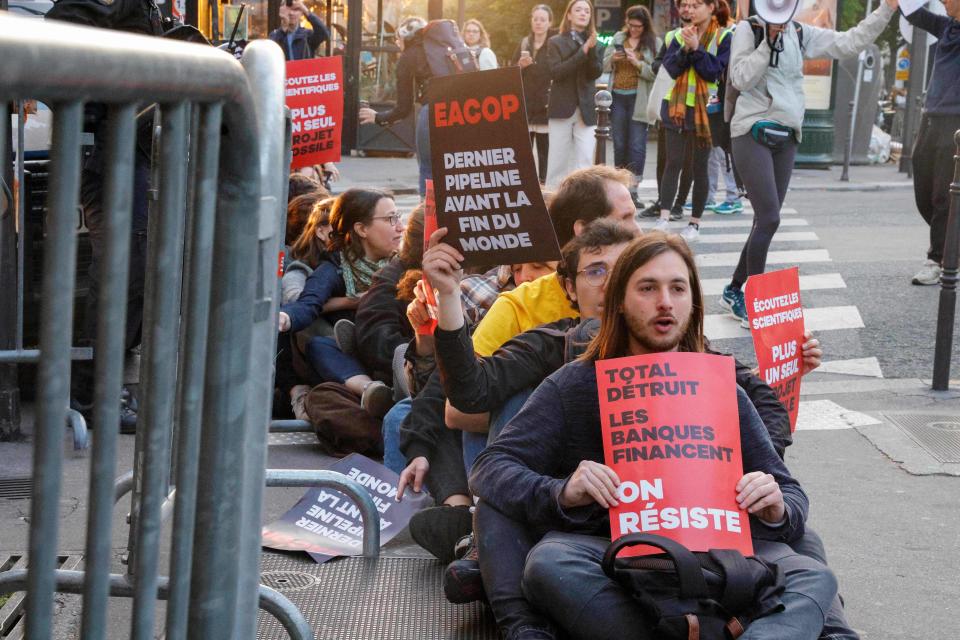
{"points": [[776, 11]]}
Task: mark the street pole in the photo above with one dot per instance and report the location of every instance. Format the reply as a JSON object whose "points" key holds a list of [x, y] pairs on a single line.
{"points": [[9, 273], [911, 120], [948, 282], [603, 100]]}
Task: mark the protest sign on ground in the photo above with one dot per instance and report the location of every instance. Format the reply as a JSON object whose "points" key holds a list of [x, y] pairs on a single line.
{"points": [[315, 96], [671, 433], [776, 324], [484, 177], [326, 523]]}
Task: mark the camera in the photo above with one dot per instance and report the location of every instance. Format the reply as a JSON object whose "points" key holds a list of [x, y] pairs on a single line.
{"points": [[618, 48]]}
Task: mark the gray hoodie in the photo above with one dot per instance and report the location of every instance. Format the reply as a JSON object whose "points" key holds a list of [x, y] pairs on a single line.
{"points": [[776, 93]]}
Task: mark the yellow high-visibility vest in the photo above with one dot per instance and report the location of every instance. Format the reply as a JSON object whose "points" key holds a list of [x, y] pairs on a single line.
{"points": [[691, 74]]}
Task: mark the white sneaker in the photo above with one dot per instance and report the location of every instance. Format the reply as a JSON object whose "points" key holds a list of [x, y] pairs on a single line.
{"points": [[690, 233], [662, 225], [929, 274]]}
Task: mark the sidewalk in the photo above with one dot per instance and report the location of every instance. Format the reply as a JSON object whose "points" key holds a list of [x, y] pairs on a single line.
{"points": [[400, 175]]}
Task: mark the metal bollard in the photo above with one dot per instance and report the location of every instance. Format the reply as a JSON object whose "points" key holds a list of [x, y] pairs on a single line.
{"points": [[848, 147], [603, 100], [948, 282]]}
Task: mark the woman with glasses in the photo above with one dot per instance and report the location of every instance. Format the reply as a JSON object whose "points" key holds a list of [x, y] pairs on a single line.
{"points": [[696, 58], [366, 232], [531, 57], [477, 40], [628, 59], [575, 66]]}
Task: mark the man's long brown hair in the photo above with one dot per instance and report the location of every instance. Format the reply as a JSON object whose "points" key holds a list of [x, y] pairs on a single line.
{"points": [[613, 338]]}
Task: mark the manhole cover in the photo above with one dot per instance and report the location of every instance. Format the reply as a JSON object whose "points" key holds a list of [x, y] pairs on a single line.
{"points": [[16, 488], [288, 580], [939, 435]]}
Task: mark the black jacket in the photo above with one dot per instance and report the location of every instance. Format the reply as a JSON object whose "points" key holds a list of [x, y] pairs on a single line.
{"points": [[536, 79], [305, 41], [381, 322], [574, 73], [477, 385], [413, 75]]}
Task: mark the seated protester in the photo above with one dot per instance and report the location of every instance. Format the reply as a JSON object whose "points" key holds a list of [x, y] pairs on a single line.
{"points": [[300, 206], [477, 294], [366, 233], [297, 185], [583, 196], [544, 491], [433, 451], [308, 249], [381, 320]]}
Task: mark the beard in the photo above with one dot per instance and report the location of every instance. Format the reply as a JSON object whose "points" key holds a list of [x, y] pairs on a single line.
{"points": [[644, 334]]}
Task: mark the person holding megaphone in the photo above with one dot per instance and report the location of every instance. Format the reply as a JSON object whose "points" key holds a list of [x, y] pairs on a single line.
{"points": [[765, 91]]}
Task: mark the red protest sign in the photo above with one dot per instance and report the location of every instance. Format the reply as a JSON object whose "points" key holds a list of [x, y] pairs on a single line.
{"points": [[671, 432], [429, 226], [487, 191], [315, 98], [776, 324]]}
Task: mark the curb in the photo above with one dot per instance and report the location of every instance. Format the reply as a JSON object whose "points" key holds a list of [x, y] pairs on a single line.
{"points": [[877, 186]]}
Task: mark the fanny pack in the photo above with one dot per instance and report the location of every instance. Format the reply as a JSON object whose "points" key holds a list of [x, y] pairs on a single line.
{"points": [[772, 134]]}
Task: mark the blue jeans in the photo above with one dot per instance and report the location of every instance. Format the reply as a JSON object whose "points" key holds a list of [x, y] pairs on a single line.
{"points": [[331, 364], [423, 148], [393, 459], [474, 443], [564, 579], [629, 135], [717, 168]]}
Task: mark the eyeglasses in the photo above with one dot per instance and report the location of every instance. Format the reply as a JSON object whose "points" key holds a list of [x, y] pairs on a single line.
{"points": [[394, 219], [595, 274], [635, 25]]}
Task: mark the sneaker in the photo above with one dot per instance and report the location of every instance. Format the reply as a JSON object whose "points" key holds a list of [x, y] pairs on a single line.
{"points": [[690, 233], [710, 206], [298, 401], [377, 399], [728, 208], [676, 213], [732, 300], [653, 211], [688, 205], [929, 274], [345, 333], [462, 582], [661, 225], [438, 529]]}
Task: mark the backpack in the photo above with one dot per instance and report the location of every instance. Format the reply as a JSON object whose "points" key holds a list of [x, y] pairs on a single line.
{"points": [[445, 50], [708, 596]]}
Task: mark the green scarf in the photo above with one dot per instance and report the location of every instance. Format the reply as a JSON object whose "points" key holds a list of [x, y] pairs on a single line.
{"points": [[358, 274]]}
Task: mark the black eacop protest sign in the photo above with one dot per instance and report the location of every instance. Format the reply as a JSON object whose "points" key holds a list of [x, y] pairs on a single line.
{"points": [[485, 180]]}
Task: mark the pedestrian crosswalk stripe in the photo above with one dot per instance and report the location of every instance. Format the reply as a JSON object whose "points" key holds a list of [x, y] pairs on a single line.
{"points": [[825, 415], [714, 286], [740, 238], [723, 326], [730, 259], [722, 223], [869, 367]]}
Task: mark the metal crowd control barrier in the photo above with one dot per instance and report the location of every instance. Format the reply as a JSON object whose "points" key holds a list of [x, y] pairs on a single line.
{"points": [[202, 392]]}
